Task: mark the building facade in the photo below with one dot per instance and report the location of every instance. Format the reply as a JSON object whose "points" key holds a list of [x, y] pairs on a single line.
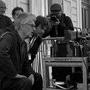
{"points": [[78, 10]]}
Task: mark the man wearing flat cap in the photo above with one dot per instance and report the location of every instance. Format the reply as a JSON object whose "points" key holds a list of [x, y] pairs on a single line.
{"points": [[5, 21], [60, 24], [64, 22]]}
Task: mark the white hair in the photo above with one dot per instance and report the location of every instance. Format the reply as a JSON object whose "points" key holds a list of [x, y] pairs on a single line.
{"points": [[24, 18]]}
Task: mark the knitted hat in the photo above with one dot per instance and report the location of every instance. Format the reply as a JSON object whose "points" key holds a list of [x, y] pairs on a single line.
{"points": [[55, 7]]}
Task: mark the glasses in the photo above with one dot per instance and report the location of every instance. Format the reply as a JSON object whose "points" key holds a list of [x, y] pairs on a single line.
{"points": [[32, 25], [29, 26]]}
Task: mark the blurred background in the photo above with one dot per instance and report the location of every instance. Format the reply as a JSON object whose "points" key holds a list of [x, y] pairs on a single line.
{"points": [[78, 10]]}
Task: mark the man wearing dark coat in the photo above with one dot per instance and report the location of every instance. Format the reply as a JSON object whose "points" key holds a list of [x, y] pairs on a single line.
{"points": [[61, 25]]}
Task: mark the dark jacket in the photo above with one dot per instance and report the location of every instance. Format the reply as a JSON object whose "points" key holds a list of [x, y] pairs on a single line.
{"points": [[5, 21], [13, 56], [65, 24]]}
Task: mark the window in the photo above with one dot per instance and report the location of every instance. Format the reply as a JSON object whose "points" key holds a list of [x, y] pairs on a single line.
{"points": [[24, 4], [85, 17]]}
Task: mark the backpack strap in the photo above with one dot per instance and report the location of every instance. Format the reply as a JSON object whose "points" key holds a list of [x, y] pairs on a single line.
{"points": [[3, 34]]}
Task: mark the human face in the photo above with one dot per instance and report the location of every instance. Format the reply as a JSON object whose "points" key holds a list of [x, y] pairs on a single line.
{"points": [[40, 30], [17, 13], [56, 13], [27, 30]]}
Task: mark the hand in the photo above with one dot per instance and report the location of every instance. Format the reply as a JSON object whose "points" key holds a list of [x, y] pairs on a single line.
{"points": [[31, 77], [20, 76]]}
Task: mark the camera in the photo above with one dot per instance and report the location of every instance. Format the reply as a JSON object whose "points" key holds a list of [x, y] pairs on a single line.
{"points": [[54, 18]]}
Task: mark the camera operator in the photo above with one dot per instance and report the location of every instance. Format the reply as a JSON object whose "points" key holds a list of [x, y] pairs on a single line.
{"points": [[60, 24]]}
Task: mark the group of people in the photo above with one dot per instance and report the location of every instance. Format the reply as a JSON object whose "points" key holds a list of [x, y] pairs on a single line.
{"points": [[18, 40], [16, 72]]}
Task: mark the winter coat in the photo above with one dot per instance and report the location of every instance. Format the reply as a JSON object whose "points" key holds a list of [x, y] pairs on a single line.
{"points": [[65, 23]]}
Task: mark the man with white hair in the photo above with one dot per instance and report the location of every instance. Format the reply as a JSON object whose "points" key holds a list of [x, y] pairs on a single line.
{"points": [[25, 26]]}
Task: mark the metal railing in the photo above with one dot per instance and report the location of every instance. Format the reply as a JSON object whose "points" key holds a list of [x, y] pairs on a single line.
{"points": [[45, 51]]}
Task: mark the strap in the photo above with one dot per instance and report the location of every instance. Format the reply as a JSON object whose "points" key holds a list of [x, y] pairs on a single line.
{"points": [[3, 34]]}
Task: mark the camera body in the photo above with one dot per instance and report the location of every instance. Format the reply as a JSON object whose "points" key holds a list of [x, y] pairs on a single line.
{"points": [[53, 18]]}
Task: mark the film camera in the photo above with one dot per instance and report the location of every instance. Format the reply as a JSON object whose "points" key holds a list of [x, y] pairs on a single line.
{"points": [[54, 19]]}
